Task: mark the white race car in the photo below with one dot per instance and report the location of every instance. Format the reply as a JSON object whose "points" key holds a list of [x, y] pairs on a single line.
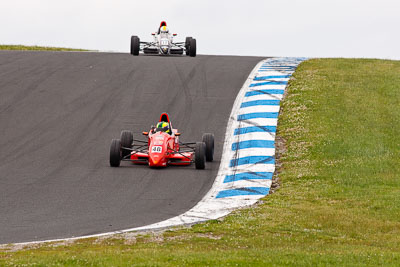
{"points": [[163, 44]]}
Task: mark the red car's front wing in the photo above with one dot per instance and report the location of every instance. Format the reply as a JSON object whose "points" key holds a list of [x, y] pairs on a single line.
{"points": [[184, 158]]}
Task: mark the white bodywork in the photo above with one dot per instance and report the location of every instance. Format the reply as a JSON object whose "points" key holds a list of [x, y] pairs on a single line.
{"points": [[162, 44]]}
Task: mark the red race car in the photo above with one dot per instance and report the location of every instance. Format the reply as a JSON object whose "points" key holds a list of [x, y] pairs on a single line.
{"points": [[162, 148]]}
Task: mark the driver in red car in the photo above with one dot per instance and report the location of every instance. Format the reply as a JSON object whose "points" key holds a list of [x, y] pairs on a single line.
{"points": [[163, 126]]}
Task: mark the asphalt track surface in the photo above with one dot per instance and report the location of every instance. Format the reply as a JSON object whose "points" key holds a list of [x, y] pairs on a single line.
{"points": [[58, 114]]}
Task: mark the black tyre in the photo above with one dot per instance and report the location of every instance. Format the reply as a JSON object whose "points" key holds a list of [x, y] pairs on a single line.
{"points": [[208, 139], [115, 153], [126, 141], [192, 50], [187, 44], [135, 45], [199, 155]]}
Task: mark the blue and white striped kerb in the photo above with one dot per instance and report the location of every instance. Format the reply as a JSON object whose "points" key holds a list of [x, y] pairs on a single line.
{"points": [[251, 142]]}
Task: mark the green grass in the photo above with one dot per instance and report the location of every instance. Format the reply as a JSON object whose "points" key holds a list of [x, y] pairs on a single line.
{"points": [[37, 48], [339, 199]]}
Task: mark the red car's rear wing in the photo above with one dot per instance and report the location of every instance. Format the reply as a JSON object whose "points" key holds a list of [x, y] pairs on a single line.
{"points": [[164, 117]]}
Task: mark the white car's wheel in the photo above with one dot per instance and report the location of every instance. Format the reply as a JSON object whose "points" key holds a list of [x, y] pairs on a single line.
{"points": [[187, 44], [135, 45], [192, 50]]}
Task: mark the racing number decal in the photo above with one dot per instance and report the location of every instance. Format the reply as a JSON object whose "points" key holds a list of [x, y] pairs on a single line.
{"points": [[164, 42], [156, 149]]}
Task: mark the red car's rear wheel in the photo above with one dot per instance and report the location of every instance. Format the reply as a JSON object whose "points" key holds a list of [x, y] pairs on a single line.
{"points": [[126, 141], [115, 153]]}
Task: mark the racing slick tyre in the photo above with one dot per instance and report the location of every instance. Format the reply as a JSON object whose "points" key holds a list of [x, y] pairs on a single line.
{"points": [[115, 153], [208, 139], [187, 44], [135, 45], [126, 141], [192, 49], [199, 155]]}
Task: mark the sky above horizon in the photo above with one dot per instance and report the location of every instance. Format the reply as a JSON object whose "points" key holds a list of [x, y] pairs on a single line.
{"points": [[306, 28]]}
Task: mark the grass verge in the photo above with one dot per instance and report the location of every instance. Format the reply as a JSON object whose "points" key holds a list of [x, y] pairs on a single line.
{"points": [[339, 199], [38, 48]]}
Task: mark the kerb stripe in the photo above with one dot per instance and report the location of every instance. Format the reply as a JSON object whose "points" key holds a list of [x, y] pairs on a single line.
{"points": [[256, 115], [253, 129], [252, 160], [243, 191], [253, 143], [248, 176]]}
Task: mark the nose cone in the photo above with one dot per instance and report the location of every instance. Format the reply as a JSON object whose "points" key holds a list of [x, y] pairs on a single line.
{"points": [[156, 160]]}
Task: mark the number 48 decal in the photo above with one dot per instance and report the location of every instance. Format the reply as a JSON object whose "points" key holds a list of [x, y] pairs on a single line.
{"points": [[156, 149]]}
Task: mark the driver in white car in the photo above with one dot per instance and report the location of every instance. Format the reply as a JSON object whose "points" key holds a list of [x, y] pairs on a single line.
{"points": [[162, 28]]}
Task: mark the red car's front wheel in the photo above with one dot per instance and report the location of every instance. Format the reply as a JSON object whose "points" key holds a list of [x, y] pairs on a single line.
{"points": [[199, 155], [208, 139]]}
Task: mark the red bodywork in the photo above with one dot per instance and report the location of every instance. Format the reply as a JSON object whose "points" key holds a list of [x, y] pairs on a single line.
{"points": [[162, 149]]}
